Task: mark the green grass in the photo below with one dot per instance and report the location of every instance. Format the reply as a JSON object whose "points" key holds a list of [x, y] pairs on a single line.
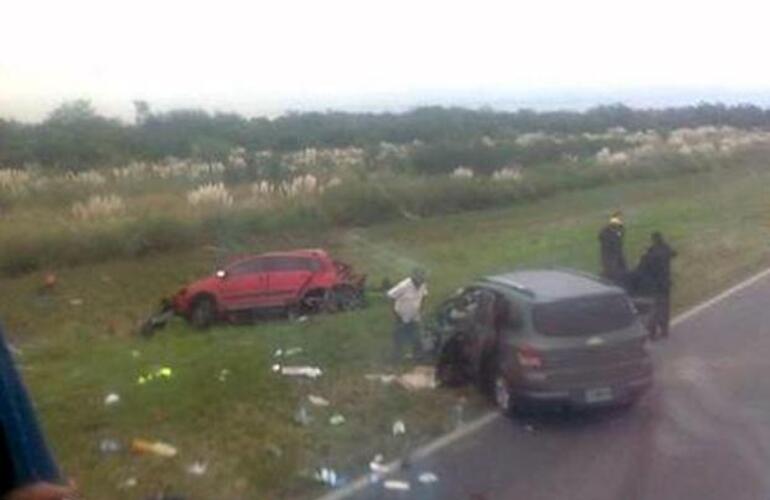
{"points": [[74, 355]]}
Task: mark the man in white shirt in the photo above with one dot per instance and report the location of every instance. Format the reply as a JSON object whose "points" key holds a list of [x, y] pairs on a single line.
{"points": [[407, 299]]}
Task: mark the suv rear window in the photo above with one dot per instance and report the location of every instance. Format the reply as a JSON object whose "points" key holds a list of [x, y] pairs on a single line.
{"points": [[585, 316]]}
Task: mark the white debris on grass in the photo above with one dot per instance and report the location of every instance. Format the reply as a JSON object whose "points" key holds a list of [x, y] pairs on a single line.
{"points": [[397, 485], [298, 371], [399, 428], [421, 377], [327, 476], [380, 377], [427, 478], [318, 400], [197, 468], [111, 399], [337, 419]]}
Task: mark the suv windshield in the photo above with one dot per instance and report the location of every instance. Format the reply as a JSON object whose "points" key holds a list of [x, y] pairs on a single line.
{"points": [[584, 316]]}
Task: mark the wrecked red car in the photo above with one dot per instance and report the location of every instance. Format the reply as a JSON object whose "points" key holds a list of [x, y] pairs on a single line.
{"points": [[298, 282]]}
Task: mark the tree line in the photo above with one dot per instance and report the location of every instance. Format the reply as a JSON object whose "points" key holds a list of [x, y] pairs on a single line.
{"points": [[74, 136]]}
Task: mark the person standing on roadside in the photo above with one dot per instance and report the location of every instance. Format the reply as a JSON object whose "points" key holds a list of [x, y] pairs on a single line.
{"points": [[407, 299], [613, 260], [654, 272]]}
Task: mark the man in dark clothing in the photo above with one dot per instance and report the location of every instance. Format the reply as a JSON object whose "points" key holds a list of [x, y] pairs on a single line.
{"points": [[611, 245], [654, 274]]}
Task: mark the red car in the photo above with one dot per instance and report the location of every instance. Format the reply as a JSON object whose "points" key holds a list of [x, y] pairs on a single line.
{"points": [[300, 281]]}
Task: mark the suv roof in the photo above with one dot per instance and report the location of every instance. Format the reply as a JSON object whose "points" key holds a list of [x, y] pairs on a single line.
{"points": [[549, 285]]}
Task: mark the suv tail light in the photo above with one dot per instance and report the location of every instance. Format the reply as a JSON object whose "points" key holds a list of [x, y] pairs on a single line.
{"points": [[528, 357]]}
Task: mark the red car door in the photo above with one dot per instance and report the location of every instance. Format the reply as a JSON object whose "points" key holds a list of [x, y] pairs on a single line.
{"points": [[244, 285], [288, 277]]}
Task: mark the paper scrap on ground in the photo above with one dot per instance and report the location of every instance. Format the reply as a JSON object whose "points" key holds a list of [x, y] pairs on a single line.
{"points": [[300, 371], [111, 399], [427, 478], [337, 419], [421, 377], [156, 448], [397, 485], [197, 468], [326, 476], [380, 377], [318, 400], [399, 428]]}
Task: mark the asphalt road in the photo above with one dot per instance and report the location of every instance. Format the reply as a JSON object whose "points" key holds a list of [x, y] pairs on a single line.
{"points": [[702, 433]]}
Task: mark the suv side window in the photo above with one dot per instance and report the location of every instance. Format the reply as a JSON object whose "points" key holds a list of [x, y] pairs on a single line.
{"points": [[247, 267]]}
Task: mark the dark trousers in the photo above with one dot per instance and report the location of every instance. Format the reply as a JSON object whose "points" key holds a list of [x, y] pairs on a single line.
{"points": [[406, 334], [660, 315]]}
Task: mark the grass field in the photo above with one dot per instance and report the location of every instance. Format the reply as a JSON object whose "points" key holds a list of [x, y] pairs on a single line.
{"points": [[73, 355]]}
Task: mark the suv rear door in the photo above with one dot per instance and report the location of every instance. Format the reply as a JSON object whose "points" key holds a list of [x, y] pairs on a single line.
{"points": [[589, 338], [288, 277]]}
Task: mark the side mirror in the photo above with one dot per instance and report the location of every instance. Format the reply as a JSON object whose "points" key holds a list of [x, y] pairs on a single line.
{"points": [[221, 274]]}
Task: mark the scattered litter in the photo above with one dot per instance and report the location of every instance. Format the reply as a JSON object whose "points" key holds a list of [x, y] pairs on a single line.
{"points": [[163, 372], [111, 399], [421, 377], [326, 476], [380, 377], [427, 478], [274, 450], [302, 319], [397, 485], [156, 448], [157, 320], [399, 428], [223, 375], [293, 351], [337, 419], [197, 468], [276, 368], [318, 400], [301, 416], [300, 371], [376, 464], [529, 428], [76, 302], [110, 446], [131, 482]]}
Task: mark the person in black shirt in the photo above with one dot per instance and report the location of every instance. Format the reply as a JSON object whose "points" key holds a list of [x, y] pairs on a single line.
{"points": [[654, 274]]}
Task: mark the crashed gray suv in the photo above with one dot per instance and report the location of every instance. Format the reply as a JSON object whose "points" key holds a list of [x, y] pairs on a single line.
{"points": [[545, 336]]}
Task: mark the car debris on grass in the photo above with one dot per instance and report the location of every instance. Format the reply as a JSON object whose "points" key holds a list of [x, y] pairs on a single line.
{"points": [[159, 448], [298, 371], [318, 400]]}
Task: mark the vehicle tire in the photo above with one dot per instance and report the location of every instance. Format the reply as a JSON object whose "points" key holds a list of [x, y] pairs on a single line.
{"points": [[502, 396], [202, 313]]}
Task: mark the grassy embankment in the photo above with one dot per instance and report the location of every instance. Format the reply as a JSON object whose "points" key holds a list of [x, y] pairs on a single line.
{"points": [[74, 355]]}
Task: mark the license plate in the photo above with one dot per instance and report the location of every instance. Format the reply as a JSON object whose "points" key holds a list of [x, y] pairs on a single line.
{"points": [[599, 395]]}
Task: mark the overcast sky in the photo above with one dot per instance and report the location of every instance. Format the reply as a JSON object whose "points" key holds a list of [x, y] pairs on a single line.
{"points": [[265, 56]]}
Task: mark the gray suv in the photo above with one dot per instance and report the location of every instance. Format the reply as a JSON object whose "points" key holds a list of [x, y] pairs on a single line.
{"points": [[549, 336]]}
